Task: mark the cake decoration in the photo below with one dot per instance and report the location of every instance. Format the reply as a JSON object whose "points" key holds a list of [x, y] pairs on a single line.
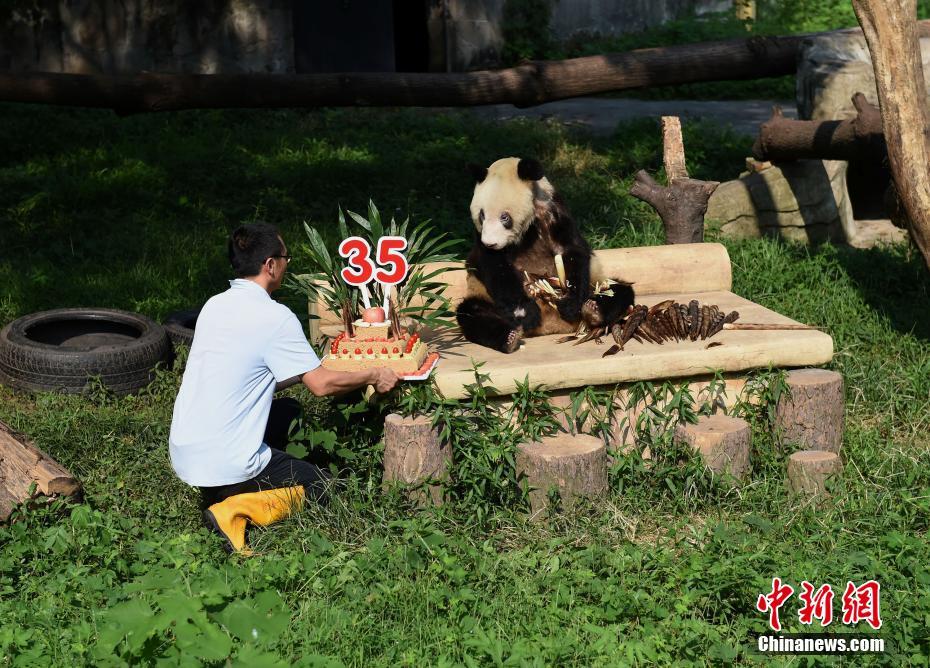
{"points": [[376, 338]]}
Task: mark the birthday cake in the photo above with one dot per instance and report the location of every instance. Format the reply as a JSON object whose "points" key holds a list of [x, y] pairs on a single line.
{"points": [[373, 341]]}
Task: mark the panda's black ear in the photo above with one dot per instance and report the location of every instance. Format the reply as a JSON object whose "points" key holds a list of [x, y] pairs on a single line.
{"points": [[529, 169], [477, 171]]}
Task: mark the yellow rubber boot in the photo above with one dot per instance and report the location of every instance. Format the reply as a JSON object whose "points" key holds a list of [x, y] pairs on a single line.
{"points": [[228, 517]]}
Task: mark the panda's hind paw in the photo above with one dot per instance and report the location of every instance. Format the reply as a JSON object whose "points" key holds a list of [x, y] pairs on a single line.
{"points": [[513, 340]]}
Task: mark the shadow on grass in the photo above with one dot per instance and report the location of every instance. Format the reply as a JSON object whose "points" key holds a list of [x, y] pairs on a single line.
{"points": [[894, 281]]}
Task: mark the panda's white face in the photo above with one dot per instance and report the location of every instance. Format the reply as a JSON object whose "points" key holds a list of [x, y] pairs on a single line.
{"points": [[504, 205]]}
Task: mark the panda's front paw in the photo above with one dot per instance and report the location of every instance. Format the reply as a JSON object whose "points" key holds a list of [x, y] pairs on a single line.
{"points": [[528, 316], [570, 309]]}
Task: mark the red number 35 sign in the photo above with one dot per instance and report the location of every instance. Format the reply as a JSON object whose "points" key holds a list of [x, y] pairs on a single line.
{"points": [[391, 266]]}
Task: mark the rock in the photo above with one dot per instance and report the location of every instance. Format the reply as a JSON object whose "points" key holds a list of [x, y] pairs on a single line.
{"points": [[804, 200], [832, 68]]}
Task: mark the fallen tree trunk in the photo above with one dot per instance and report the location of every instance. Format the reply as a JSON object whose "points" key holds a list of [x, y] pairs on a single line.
{"points": [[525, 85], [890, 28], [856, 138]]}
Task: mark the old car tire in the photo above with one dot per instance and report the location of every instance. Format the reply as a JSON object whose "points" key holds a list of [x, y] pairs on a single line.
{"points": [[180, 326], [62, 349]]}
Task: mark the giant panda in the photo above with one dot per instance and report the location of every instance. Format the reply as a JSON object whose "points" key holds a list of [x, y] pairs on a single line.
{"points": [[521, 225]]}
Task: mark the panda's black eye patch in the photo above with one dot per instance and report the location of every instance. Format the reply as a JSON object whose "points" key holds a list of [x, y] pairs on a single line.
{"points": [[506, 220], [481, 216]]}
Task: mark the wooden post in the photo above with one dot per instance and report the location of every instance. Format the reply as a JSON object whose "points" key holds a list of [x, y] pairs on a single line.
{"points": [[673, 150], [21, 465], [809, 470], [722, 441], [574, 465], [813, 414], [745, 11], [414, 455]]}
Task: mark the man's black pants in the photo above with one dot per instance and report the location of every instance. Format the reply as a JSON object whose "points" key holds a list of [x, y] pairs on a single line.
{"points": [[283, 470]]}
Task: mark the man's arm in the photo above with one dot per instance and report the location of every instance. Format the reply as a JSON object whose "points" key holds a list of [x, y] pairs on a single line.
{"points": [[323, 382]]}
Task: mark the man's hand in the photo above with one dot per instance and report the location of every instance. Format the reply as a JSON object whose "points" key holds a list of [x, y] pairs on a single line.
{"points": [[385, 380], [323, 382]]}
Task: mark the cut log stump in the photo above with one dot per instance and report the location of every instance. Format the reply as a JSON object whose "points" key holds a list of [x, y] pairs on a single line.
{"points": [[809, 470], [813, 414], [574, 465], [414, 455], [722, 441], [21, 465]]}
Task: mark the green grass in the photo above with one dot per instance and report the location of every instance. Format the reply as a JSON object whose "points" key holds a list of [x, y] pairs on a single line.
{"points": [[133, 213]]}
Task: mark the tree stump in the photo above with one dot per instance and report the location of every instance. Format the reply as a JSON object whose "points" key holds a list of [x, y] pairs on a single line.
{"points": [[682, 204], [809, 470], [722, 441], [414, 455], [21, 465], [574, 465], [813, 414]]}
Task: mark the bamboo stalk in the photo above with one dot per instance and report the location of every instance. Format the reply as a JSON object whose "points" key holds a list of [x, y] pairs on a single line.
{"points": [[766, 325]]}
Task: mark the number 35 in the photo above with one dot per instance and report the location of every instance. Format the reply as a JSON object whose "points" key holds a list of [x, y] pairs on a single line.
{"points": [[361, 269]]}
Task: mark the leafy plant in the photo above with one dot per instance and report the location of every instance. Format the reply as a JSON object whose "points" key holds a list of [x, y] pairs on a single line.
{"points": [[420, 296]]}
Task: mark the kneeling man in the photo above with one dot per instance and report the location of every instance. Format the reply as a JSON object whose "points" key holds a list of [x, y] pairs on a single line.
{"points": [[227, 433]]}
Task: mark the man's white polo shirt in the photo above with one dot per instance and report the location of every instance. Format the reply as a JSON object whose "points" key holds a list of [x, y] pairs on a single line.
{"points": [[243, 344]]}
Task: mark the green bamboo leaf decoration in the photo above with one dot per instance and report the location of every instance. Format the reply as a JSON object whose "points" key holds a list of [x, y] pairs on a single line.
{"points": [[323, 280]]}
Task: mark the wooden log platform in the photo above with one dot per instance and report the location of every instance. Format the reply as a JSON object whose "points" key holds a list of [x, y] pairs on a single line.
{"points": [[22, 464], [576, 466], [809, 471], [679, 271], [414, 455], [722, 441], [813, 414]]}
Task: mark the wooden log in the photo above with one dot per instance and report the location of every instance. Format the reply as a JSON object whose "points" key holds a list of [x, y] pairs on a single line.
{"points": [[414, 455], [22, 464], [673, 149], [576, 466], [858, 138], [527, 84], [722, 441], [809, 471], [891, 32], [813, 414]]}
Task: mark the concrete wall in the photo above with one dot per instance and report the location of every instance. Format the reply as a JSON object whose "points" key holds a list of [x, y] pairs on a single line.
{"points": [[477, 35], [111, 36], [608, 17]]}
